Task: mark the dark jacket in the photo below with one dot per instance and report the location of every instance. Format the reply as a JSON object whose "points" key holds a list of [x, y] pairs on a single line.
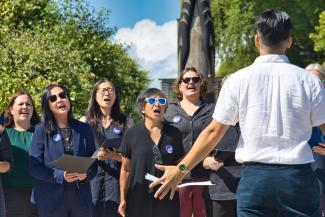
{"points": [[226, 179], [48, 189]]}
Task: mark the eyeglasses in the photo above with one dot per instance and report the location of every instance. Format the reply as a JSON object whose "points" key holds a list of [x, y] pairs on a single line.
{"points": [[156, 154], [102, 91], [152, 101], [62, 95], [188, 79]]}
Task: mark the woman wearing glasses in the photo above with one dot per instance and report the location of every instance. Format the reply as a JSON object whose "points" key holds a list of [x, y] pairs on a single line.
{"points": [[108, 124], [144, 145], [20, 119], [191, 114], [59, 193]]}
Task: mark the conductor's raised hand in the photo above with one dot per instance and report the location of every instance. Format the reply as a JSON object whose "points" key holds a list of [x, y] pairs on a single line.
{"points": [[171, 178]]}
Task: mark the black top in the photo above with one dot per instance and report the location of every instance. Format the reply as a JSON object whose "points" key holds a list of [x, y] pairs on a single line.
{"points": [[190, 127], [5, 149], [67, 140], [226, 179], [105, 185], [138, 146]]}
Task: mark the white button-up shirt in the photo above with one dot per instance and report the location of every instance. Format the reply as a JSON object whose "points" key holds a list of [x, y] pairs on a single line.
{"points": [[277, 104]]}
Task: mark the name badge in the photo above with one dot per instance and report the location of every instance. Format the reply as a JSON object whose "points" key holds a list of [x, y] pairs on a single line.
{"points": [[117, 131], [57, 137], [177, 119], [169, 149]]}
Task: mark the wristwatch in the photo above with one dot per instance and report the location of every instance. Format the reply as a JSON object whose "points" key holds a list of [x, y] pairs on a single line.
{"points": [[183, 168]]}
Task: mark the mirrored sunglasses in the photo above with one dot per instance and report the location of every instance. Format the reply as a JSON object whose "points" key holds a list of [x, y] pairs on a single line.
{"points": [[152, 101], [62, 95], [188, 79]]}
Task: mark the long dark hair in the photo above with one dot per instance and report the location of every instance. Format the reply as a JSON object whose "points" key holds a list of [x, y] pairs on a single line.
{"points": [[47, 116], [9, 119], [94, 114]]}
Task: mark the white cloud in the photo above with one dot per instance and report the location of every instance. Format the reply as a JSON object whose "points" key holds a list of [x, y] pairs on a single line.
{"points": [[153, 46]]}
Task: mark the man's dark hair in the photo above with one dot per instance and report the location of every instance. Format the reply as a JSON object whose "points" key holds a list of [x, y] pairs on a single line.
{"points": [[274, 27]]}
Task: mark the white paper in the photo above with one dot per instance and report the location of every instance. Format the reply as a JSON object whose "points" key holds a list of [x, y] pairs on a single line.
{"points": [[152, 178]]}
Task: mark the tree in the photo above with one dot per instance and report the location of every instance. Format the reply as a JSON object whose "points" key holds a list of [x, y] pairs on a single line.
{"points": [[43, 42], [318, 36], [234, 30]]}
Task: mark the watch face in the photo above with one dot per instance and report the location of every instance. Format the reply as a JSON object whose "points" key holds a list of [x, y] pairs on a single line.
{"points": [[182, 167]]}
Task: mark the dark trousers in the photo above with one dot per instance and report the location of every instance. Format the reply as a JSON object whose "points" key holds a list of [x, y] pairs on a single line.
{"points": [[2, 202], [71, 206], [221, 208], [18, 203], [278, 190], [105, 209]]}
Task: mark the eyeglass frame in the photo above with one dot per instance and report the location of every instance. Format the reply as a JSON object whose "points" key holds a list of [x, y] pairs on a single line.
{"points": [[102, 91], [61, 95], [156, 101], [156, 154]]}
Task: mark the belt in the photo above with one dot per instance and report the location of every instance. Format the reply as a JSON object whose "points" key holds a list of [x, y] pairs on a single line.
{"points": [[276, 165]]}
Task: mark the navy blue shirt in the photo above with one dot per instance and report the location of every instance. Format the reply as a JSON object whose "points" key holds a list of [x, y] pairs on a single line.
{"points": [[319, 164], [105, 185]]}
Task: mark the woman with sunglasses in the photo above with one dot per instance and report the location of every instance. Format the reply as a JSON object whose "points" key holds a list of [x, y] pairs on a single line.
{"points": [[59, 193], [108, 124], [20, 119], [144, 145], [191, 114]]}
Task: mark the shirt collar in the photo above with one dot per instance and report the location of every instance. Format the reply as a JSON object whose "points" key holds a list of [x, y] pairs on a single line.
{"points": [[271, 58]]}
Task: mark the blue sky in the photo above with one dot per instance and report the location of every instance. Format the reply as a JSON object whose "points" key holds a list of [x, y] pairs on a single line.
{"points": [[149, 28], [125, 13]]}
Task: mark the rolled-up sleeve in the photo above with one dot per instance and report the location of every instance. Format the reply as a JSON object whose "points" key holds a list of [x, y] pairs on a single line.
{"points": [[226, 110]]}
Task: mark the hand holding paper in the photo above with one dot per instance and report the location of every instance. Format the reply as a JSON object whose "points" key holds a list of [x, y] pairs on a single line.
{"points": [[152, 178], [73, 164]]}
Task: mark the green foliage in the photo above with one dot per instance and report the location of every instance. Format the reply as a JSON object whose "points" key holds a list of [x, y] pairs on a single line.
{"points": [[68, 44], [319, 36], [235, 30]]}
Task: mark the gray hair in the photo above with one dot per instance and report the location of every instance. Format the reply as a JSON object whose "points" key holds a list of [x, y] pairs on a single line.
{"points": [[316, 66], [141, 99]]}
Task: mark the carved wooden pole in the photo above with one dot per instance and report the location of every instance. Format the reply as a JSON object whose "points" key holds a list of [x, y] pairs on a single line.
{"points": [[196, 40]]}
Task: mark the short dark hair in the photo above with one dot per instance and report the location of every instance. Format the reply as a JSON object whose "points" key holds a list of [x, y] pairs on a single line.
{"points": [[274, 27], [141, 99], [47, 117]]}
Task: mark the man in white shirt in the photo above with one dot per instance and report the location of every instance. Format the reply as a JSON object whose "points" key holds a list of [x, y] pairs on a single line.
{"points": [[277, 105]]}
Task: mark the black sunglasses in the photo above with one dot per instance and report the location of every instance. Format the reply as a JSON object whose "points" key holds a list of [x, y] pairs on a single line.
{"points": [[188, 79], [157, 154], [62, 95]]}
